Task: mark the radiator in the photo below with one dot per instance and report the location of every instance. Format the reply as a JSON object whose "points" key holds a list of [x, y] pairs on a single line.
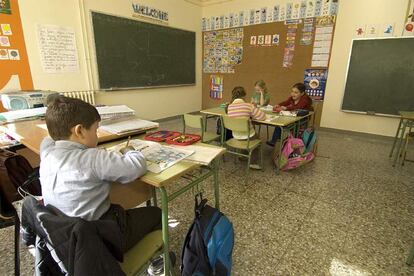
{"points": [[86, 96]]}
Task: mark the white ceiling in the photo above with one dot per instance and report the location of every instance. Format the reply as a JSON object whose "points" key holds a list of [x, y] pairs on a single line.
{"points": [[205, 3]]}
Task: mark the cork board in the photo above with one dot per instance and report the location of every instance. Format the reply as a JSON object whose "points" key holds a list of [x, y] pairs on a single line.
{"points": [[265, 62]]}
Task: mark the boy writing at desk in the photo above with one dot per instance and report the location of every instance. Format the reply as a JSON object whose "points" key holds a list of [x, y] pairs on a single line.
{"points": [[76, 176]]}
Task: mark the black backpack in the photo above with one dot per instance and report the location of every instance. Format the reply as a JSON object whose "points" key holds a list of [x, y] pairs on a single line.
{"points": [[208, 245]]}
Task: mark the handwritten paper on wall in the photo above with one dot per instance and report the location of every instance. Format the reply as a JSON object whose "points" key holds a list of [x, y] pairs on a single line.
{"points": [[57, 47]]}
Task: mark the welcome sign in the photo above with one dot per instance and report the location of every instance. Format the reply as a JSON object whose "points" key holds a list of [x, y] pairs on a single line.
{"points": [[149, 12]]}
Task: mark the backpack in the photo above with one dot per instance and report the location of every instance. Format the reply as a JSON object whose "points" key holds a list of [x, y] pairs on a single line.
{"points": [[293, 154], [309, 140], [208, 245], [15, 172]]}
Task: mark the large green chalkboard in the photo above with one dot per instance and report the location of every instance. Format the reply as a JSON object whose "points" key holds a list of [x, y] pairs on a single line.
{"points": [[133, 54], [380, 77]]}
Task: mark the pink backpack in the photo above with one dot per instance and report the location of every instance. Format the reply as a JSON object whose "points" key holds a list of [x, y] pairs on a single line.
{"points": [[293, 154]]}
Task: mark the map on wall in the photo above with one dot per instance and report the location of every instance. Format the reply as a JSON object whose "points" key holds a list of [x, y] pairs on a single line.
{"points": [[223, 50]]}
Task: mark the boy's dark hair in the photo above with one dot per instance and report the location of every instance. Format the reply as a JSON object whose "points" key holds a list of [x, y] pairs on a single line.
{"points": [[238, 92], [300, 86], [63, 113]]}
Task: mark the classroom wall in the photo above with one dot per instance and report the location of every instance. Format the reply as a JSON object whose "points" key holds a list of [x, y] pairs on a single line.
{"points": [[351, 13], [152, 103]]}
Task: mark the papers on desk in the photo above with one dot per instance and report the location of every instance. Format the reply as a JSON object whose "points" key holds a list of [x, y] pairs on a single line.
{"points": [[267, 108], [288, 113], [23, 114], [202, 154], [127, 125], [159, 157], [112, 112], [270, 118]]}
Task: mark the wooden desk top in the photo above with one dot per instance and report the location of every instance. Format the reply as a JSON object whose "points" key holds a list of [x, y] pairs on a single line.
{"points": [[31, 133], [170, 174], [280, 121], [408, 115]]}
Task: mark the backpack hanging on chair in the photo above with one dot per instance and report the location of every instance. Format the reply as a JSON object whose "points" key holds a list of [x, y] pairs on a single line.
{"points": [[208, 245]]}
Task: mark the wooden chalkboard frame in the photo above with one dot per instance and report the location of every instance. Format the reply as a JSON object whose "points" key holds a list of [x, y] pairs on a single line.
{"points": [[143, 21], [346, 78]]}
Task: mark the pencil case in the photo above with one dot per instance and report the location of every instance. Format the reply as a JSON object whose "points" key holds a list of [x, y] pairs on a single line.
{"points": [[183, 139], [161, 136]]}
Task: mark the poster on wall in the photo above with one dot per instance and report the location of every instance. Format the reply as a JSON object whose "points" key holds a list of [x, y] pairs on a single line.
{"points": [[315, 82], [290, 46], [216, 87], [5, 6], [223, 50], [57, 45]]}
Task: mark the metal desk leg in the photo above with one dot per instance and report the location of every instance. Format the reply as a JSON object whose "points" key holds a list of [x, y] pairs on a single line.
{"points": [[280, 149], [165, 234], [396, 137], [216, 164], [397, 155]]}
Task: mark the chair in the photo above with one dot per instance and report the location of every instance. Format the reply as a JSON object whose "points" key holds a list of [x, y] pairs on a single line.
{"points": [[249, 145], [135, 260], [409, 136], [197, 121]]}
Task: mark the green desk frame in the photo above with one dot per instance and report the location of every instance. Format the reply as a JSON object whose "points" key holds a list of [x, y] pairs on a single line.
{"points": [[286, 124]]}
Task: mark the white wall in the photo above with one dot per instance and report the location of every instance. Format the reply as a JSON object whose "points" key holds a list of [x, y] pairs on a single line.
{"points": [[351, 13], [149, 103]]}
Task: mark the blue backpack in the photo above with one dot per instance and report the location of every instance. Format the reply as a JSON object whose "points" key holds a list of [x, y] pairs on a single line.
{"points": [[208, 246]]}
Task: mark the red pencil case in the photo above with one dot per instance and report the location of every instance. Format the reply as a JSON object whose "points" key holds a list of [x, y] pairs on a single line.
{"points": [[183, 139], [161, 136]]}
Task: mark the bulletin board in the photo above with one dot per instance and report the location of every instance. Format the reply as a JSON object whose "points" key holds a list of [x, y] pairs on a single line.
{"points": [[261, 62]]}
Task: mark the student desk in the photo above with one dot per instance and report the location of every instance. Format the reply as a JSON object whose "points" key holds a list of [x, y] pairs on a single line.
{"points": [[285, 123], [406, 120], [30, 134]]}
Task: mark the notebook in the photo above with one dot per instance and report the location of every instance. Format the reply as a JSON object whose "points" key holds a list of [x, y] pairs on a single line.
{"points": [[128, 125], [22, 114], [112, 112]]}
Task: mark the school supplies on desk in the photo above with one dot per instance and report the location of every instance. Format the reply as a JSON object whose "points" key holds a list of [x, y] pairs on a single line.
{"points": [[183, 140], [288, 113], [158, 157], [270, 118], [127, 125], [161, 136], [267, 108], [112, 112], [202, 154]]}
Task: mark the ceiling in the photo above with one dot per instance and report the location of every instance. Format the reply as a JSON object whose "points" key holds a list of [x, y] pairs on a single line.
{"points": [[205, 3]]}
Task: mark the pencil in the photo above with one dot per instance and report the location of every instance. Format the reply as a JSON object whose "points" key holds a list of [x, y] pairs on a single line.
{"points": [[129, 139]]}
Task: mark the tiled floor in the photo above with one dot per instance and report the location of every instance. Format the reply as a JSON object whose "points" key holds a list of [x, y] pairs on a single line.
{"points": [[349, 212]]}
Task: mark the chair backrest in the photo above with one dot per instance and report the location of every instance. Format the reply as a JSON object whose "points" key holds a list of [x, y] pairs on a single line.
{"points": [[236, 124], [86, 96], [194, 121]]}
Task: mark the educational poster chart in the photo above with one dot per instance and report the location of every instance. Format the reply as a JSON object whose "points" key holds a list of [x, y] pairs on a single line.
{"points": [[315, 81], [290, 46], [322, 43], [58, 51], [299, 9], [216, 87], [8, 50], [5, 6], [223, 50]]}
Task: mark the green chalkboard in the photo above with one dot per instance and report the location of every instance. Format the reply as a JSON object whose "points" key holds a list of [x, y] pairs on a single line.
{"points": [[135, 54], [380, 78]]}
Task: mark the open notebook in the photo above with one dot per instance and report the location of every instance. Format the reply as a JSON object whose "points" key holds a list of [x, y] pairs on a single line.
{"points": [[159, 157]]}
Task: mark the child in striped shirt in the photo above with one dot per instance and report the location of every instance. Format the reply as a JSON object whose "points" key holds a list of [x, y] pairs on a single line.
{"points": [[239, 108]]}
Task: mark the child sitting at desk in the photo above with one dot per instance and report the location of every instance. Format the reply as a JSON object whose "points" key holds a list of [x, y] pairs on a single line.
{"points": [[298, 100], [76, 176], [260, 97]]}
